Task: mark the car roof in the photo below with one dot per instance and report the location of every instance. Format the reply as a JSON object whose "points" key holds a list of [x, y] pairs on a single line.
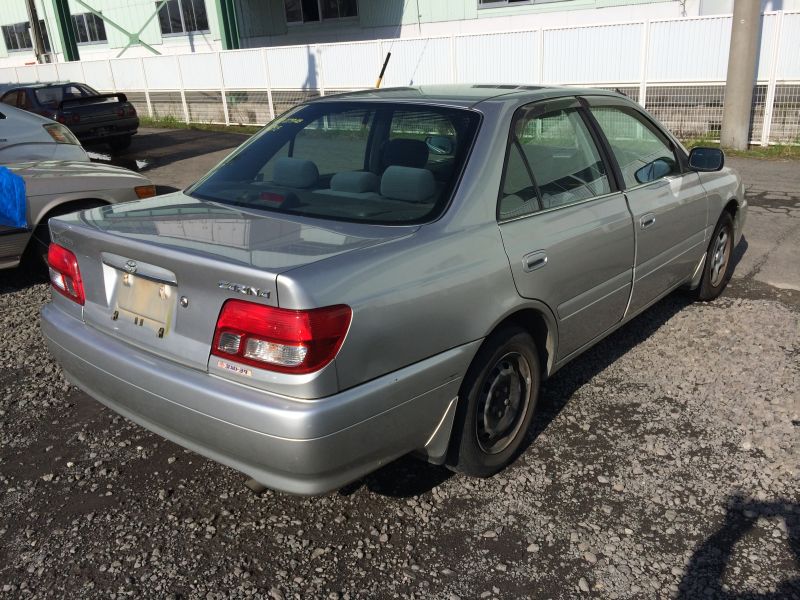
{"points": [[465, 95], [41, 84]]}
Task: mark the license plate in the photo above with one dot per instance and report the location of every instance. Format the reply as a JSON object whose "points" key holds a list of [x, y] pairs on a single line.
{"points": [[147, 304]]}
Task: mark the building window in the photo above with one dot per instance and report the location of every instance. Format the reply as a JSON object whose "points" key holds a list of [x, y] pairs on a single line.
{"points": [[89, 28], [182, 16], [18, 36], [307, 11]]}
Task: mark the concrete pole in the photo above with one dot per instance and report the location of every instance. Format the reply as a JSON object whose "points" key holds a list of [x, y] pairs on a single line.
{"points": [[36, 32], [741, 74]]}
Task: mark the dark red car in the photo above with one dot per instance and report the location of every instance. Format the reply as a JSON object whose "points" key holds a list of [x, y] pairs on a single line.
{"points": [[93, 117]]}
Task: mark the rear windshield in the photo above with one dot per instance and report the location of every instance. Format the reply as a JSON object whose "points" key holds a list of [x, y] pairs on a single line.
{"points": [[51, 96], [364, 162]]}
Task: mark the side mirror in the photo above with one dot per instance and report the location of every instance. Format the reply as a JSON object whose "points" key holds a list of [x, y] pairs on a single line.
{"points": [[440, 144], [656, 169], [706, 159]]}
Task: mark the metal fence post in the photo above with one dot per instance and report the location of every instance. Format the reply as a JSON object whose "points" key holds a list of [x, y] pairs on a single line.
{"points": [[643, 67], [222, 88], [540, 56], [183, 92], [146, 88], [269, 84], [318, 69], [769, 102]]}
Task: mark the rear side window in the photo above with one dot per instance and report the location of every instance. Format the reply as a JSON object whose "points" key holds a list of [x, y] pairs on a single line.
{"points": [[353, 161], [644, 154], [552, 162]]}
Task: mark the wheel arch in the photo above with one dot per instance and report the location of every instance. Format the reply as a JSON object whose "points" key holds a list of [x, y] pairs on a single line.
{"points": [[538, 320], [63, 206]]}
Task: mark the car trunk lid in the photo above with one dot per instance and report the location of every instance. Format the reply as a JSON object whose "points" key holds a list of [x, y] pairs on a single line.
{"points": [[157, 272]]}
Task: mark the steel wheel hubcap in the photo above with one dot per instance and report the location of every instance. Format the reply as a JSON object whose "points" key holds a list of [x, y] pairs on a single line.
{"points": [[503, 402], [720, 256]]}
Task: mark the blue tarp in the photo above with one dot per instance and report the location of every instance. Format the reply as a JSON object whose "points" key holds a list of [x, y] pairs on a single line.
{"points": [[12, 200]]}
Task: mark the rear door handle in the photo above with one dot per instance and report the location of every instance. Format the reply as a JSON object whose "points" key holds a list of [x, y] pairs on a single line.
{"points": [[647, 221], [534, 260]]}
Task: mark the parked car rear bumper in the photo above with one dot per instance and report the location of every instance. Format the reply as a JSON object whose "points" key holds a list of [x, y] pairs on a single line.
{"points": [[298, 446], [105, 130]]}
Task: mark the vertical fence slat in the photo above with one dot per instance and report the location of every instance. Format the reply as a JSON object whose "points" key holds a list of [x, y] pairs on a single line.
{"points": [[769, 103]]}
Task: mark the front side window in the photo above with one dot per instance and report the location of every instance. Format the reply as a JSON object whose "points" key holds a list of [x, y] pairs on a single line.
{"points": [[552, 162], [309, 11], [89, 28], [182, 16], [644, 154], [364, 162]]}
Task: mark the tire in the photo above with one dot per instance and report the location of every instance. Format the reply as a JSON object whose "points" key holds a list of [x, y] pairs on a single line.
{"points": [[118, 144], [505, 376], [717, 267]]}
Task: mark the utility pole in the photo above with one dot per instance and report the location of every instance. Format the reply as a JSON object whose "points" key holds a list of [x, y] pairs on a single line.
{"points": [[741, 74], [36, 32]]}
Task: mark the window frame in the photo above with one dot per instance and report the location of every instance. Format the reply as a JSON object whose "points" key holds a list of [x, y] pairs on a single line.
{"points": [[85, 17], [542, 107], [13, 30], [322, 19], [681, 158], [185, 31]]}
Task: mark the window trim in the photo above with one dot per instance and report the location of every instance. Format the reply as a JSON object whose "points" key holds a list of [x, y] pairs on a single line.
{"points": [[86, 24], [321, 18], [185, 32], [541, 107], [490, 4]]}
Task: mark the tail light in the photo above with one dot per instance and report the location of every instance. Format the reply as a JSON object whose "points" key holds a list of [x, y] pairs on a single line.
{"points": [[65, 274], [278, 339], [61, 118], [120, 112], [130, 111], [76, 118]]}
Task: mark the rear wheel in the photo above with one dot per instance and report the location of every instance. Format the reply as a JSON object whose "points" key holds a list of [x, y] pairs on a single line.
{"points": [[496, 403], [716, 271], [118, 144]]}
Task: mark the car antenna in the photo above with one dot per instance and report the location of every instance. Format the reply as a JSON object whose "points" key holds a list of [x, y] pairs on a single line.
{"points": [[383, 70]]}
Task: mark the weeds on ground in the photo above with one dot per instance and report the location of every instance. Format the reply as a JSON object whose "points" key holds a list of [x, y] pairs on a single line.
{"points": [[170, 122]]}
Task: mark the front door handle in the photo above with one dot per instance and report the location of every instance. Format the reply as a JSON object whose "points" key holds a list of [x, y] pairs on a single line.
{"points": [[534, 260], [647, 221]]}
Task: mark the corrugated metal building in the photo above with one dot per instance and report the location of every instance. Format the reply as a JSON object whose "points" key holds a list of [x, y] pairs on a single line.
{"points": [[132, 28]]}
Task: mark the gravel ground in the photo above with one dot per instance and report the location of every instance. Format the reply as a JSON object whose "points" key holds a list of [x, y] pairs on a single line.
{"points": [[663, 463]]}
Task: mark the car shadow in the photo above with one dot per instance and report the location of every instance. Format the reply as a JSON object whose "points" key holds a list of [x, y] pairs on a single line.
{"points": [[21, 278], [704, 575], [150, 150]]}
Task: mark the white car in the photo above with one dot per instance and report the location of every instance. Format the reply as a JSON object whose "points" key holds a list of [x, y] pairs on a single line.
{"points": [[27, 136], [59, 187]]}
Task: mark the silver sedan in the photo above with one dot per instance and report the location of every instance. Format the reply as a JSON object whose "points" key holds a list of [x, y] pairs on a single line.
{"points": [[386, 272]]}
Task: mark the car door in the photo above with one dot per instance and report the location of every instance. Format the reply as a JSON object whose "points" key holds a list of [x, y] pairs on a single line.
{"points": [[667, 201], [565, 226]]}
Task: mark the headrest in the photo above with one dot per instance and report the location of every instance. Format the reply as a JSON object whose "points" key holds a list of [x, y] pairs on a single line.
{"points": [[406, 183], [405, 152], [295, 172], [355, 182]]}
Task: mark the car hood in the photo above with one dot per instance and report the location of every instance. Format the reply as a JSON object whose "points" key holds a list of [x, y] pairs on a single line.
{"points": [[250, 238], [56, 176]]}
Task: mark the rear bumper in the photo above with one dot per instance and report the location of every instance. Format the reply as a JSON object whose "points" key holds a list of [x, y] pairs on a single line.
{"points": [[105, 130], [298, 446]]}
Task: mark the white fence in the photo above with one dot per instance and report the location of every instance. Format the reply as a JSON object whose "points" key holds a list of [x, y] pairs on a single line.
{"points": [[675, 68]]}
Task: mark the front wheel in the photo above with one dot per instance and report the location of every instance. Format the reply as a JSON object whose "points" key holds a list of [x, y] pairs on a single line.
{"points": [[496, 403], [716, 272]]}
